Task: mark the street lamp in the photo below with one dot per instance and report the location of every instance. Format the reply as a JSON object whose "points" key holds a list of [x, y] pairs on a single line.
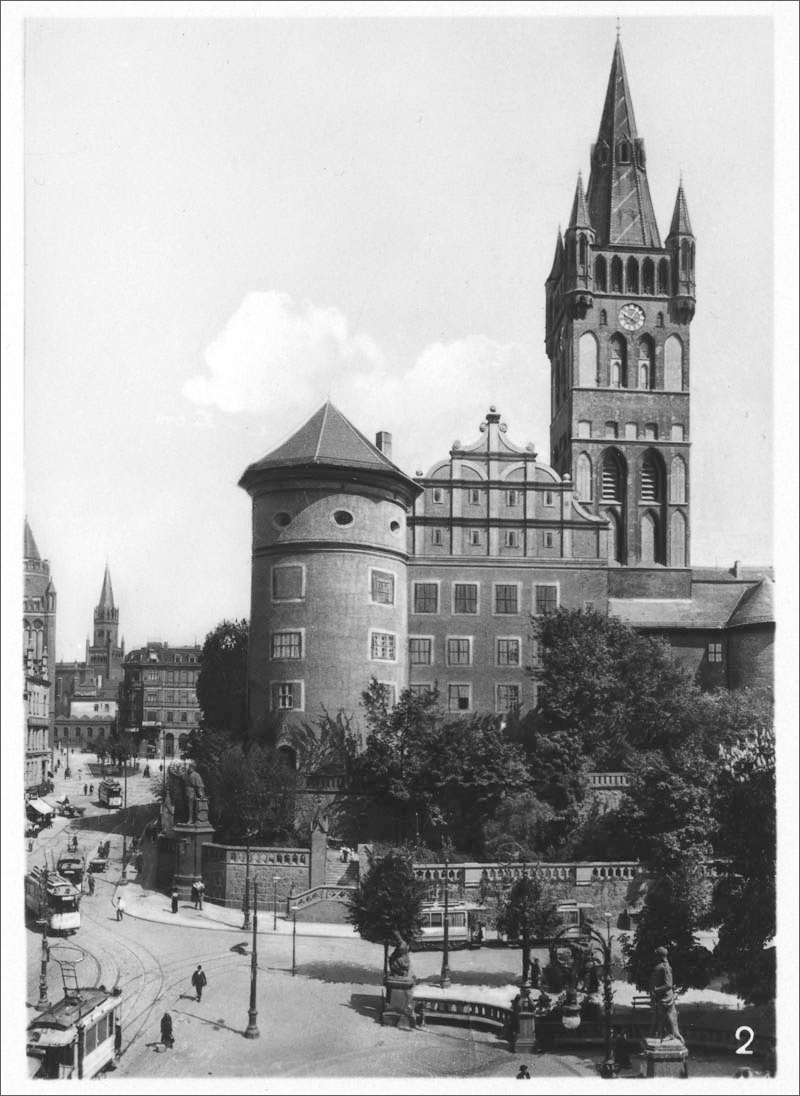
{"points": [[570, 1017], [252, 1031], [275, 881], [444, 979], [245, 907], [294, 940], [44, 1001]]}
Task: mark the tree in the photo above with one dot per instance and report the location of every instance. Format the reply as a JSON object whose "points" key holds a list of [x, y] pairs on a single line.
{"points": [[528, 913], [222, 681], [745, 840], [251, 795], [388, 899]]}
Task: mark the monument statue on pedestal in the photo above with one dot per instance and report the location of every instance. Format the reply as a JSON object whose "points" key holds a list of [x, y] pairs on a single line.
{"points": [[195, 793], [662, 997], [400, 959], [399, 1009]]}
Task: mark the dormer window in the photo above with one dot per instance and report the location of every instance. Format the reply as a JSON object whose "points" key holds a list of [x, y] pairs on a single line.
{"points": [[624, 152]]}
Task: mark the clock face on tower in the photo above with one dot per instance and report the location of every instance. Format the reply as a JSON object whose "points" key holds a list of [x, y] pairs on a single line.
{"points": [[631, 317]]}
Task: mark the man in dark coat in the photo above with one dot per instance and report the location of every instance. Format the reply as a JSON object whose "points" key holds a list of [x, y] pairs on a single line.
{"points": [[166, 1031], [198, 981]]}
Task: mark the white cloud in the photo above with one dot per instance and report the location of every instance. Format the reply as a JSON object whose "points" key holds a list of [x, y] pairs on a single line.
{"points": [[279, 361]]}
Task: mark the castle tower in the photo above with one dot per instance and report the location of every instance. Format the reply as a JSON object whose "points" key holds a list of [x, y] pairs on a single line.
{"points": [[329, 576], [619, 306]]}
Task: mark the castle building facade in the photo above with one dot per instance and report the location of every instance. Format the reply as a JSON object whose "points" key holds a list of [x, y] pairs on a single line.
{"points": [[38, 660], [361, 572]]}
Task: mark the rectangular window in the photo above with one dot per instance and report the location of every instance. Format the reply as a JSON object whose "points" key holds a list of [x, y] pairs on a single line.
{"points": [[420, 650], [287, 696], [383, 646], [546, 599], [458, 698], [287, 582], [426, 597], [151, 717], [507, 698], [420, 690], [151, 675], [548, 498], [88, 732], [511, 538], [437, 537], [548, 540], [506, 598], [474, 496], [584, 429], [630, 431], [650, 431], [465, 597], [383, 587], [184, 717], [170, 717], [438, 495], [512, 498], [538, 694], [151, 698], [287, 645], [508, 652], [474, 537], [536, 655], [459, 651], [715, 652]]}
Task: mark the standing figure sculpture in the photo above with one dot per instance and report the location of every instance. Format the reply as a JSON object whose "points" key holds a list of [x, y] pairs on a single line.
{"points": [[400, 959], [662, 999], [195, 791]]}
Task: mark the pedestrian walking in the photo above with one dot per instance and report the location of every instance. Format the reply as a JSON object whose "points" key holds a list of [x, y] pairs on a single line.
{"points": [[200, 889], [195, 895], [166, 1031], [118, 1040], [91, 789], [174, 899], [91, 885], [120, 908], [85, 789], [198, 981], [523, 1074]]}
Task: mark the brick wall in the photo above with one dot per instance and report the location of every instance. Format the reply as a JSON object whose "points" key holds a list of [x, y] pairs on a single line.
{"points": [[225, 871]]}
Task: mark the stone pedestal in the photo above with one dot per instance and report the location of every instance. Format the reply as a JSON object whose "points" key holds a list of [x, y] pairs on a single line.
{"points": [[189, 838], [666, 1058], [523, 1040], [399, 1008]]}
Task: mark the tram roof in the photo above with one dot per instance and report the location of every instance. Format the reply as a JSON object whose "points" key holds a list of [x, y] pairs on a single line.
{"points": [[50, 1027]]}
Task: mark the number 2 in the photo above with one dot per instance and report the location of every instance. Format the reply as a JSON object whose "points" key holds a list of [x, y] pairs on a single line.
{"points": [[740, 1034]]}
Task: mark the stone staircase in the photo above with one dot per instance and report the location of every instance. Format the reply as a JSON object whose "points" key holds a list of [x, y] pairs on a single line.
{"points": [[339, 874]]}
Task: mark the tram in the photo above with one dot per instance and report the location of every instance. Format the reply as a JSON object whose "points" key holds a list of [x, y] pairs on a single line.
{"points": [[76, 1037], [72, 866], [50, 893], [464, 921], [110, 793]]}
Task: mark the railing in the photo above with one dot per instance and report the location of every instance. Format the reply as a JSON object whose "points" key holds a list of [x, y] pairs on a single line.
{"points": [[473, 875], [452, 1011], [608, 780], [323, 893], [237, 854]]}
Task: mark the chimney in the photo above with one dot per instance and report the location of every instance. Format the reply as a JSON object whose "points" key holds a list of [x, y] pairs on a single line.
{"points": [[383, 442]]}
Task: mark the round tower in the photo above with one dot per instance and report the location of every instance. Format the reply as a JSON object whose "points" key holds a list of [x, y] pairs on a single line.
{"points": [[329, 572]]}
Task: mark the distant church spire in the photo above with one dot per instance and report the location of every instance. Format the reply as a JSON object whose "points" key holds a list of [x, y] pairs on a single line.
{"points": [[106, 602], [31, 550], [620, 207]]}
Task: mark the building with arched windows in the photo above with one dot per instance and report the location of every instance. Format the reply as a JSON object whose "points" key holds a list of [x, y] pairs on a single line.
{"points": [[360, 571], [38, 660]]}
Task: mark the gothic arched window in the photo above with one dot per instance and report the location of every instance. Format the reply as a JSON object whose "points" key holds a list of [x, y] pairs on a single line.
{"points": [[582, 251], [663, 276], [677, 540], [673, 364], [686, 253], [652, 486], [649, 533], [612, 477], [614, 538], [632, 276], [583, 477], [646, 363], [587, 361], [600, 274], [624, 152], [603, 318], [677, 481], [617, 362], [616, 274], [660, 319], [648, 276]]}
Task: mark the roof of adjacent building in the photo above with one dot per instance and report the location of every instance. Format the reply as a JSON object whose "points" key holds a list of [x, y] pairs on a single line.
{"points": [[31, 550], [713, 605], [618, 196]]}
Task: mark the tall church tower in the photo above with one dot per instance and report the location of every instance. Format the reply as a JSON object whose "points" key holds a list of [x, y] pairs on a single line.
{"points": [[619, 306], [104, 656]]}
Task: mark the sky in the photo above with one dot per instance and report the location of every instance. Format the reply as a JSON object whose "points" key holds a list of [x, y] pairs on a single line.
{"points": [[227, 221]]}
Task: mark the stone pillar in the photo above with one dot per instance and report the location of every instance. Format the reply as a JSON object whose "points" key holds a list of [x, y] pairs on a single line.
{"points": [[190, 837], [666, 1058], [523, 1040], [399, 1008]]}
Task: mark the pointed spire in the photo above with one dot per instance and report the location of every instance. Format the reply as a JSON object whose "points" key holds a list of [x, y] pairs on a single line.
{"points": [[31, 551], [106, 602], [558, 259], [681, 225], [620, 207], [579, 218]]}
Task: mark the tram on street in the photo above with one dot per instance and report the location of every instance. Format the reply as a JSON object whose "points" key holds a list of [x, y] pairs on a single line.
{"points": [[110, 793], [75, 1038], [51, 896], [464, 926], [72, 866]]}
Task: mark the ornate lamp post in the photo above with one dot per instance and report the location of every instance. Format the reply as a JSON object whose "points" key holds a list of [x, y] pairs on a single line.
{"points": [[275, 881], [294, 940], [44, 1001], [571, 1010], [252, 1031], [444, 979]]}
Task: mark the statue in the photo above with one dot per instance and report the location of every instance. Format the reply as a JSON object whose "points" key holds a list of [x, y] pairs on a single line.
{"points": [[195, 791], [400, 959], [662, 998]]}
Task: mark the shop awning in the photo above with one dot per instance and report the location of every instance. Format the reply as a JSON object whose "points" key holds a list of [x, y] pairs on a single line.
{"points": [[40, 806]]}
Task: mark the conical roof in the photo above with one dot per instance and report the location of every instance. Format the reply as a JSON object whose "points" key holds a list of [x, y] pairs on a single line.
{"points": [[326, 440], [30, 551], [579, 217], [681, 225], [558, 260], [620, 207], [106, 602]]}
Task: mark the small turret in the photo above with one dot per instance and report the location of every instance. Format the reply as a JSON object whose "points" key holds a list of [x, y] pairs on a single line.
{"points": [[681, 244], [578, 243]]}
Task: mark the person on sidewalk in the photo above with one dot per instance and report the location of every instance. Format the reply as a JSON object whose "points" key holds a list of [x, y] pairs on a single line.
{"points": [[91, 789], [120, 908], [91, 885], [85, 789], [196, 894], [166, 1031], [174, 899], [198, 981]]}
